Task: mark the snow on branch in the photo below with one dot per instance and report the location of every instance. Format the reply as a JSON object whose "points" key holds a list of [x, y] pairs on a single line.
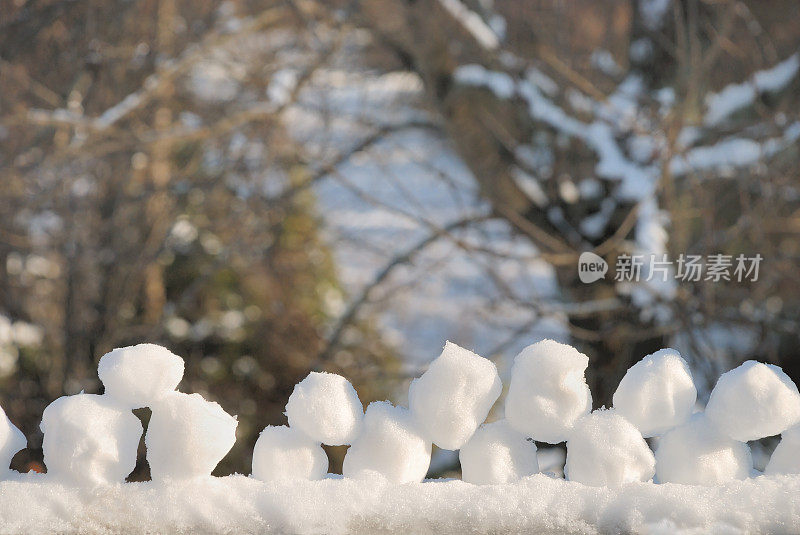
{"points": [[734, 97]]}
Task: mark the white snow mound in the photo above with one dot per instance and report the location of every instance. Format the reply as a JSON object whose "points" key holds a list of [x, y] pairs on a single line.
{"points": [[285, 453], [187, 436], [657, 393], [89, 440], [606, 450], [696, 453], [389, 446], [753, 401], [325, 407], [497, 454], [138, 376], [548, 391], [454, 396]]}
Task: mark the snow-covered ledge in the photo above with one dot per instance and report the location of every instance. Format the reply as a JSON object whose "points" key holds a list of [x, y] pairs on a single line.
{"points": [[536, 504], [699, 479]]}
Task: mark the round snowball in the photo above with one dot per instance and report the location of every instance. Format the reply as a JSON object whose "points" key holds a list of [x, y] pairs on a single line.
{"points": [[284, 453], [606, 450], [497, 454], [657, 393], [187, 436], [325, 407], [548, 391], [696, 453], [454, 396], [89, 439], [786, 457], [754, 401], [138, 376], [11, 441], [389, 445]]}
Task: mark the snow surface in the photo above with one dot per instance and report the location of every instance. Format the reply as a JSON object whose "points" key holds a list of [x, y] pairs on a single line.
{"points": [[696, 453], [454, 396], [496, 454], [537, 504], [785, 458], [754, 400], [657, 393], [605, 449], [139, 375], [325, 407], [89, 439], [285, 453], [548, 391], [390, 446], [187, 436]]}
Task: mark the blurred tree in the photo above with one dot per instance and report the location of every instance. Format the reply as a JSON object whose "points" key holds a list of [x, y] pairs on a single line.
{"points": [[161, 202]]}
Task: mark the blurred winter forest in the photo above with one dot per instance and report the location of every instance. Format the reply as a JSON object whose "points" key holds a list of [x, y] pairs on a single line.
{"points": [[273, 187]]}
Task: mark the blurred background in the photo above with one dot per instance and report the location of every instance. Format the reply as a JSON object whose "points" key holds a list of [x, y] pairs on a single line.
{"points": [[273, 187]]}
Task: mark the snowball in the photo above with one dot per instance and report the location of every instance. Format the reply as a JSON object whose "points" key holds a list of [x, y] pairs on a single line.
{"points": [[286, 453], [696, 453], [139, 375], [657, 393], [325, 407], [753, 401], [454, 396], [606, 450], [187, 436], [496, 454], [11, 441], [389, 445], [89, 439], [548, 391], [786, 457]]}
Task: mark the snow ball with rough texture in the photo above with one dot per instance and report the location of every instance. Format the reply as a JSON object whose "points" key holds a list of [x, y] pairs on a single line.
{"points": [[696, 453], [89, 439], [11, 441], [753, 401], [548, 391], [454, 396], [285, 453], [497, 454], [606, 450], [325, 407], [657, 393], [786, 457], [137, 376], [187, 436], [389, 445]]}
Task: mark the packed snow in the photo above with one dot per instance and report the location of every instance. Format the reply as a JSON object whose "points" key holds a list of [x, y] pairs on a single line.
{"points": [[548, 391], [700, 478], [753, 401], [139, 375], [454, 396], [285, 453], [786, 457], [606, 450], [187, 436], [390, 446], [89, 439], [657, 393], [325, 407], [497, 454], [697, 453]]}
